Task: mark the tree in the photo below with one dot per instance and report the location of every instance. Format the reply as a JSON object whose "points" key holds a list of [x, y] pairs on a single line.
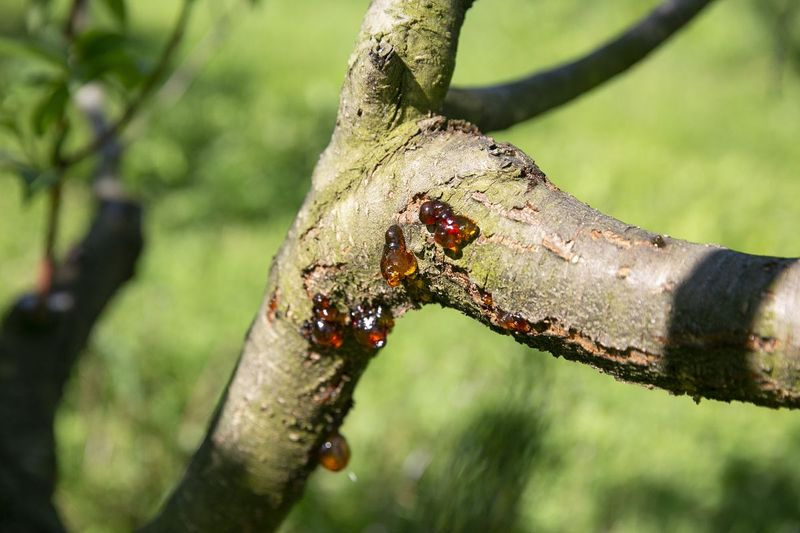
{"points": [[560, 276]]}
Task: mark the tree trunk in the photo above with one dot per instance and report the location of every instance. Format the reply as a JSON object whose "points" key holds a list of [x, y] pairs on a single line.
{"points": [[40, 341], [546, 268]]}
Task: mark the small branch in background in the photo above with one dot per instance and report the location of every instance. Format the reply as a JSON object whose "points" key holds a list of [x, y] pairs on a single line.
{"points": [[90, 99], [51, 234], [149, 85], [38, 351], [48, 261], [498, 107], [183, 76], [75, 19], [43, 335]]}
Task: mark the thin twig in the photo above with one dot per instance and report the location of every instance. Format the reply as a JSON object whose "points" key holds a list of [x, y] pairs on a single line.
{"points": [[73, 22], [48, 264], [53, 213], [182, 77], [501, 106], [147, 88]]}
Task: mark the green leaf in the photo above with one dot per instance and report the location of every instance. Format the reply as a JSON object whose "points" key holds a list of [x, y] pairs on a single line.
{"points": [[8, 161], [51, 108], [31, 49], [98, 42], [118, 9], [99, 53], [34, 180]]}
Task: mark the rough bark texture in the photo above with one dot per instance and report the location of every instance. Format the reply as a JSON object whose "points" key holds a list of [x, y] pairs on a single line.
{"points": [[40, 341], [646, 308], [501, 106]]}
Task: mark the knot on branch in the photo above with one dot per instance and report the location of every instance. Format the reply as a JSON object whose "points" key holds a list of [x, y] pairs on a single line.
{"points": [[382, 55]]}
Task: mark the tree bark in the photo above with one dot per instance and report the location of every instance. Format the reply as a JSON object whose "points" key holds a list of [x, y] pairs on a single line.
{"points": [[688, 318]]}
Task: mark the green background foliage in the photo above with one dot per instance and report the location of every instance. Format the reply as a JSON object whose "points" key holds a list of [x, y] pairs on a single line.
{"points": [[454, 428]]}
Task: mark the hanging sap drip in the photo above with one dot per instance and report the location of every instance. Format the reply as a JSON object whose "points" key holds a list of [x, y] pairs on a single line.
{"points": [[397, 263], [334, 454]]}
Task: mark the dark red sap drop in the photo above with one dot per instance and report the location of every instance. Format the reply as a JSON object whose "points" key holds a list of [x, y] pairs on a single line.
{"points": [[326, 327], [334, 454], [371, 325], [513, 322], [452, 232], [326, 334]]}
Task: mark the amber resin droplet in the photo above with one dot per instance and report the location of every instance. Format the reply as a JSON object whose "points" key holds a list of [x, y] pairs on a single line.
{"points": [[371, 325], [513, 322], [448, 234], [272, 307], [326, 334], [426, 215], [397, 262], [450, 231], [334, 454], [326, 327], [469, 229]]}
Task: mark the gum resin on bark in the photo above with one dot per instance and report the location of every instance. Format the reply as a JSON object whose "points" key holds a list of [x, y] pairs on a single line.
{"points": [[334, 454], [397, 263], [513, 322], [450, 231], [371, 325], [326, 327]]}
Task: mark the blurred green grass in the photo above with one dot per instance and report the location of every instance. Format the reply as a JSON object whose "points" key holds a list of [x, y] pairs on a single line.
{"points": [[694, 143]]}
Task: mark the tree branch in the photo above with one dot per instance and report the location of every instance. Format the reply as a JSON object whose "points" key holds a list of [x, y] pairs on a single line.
{"points": [[38, 348], [646, 308], [501, 106], [42, 336], [401, 67], [691, 319], [148, 86]]}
